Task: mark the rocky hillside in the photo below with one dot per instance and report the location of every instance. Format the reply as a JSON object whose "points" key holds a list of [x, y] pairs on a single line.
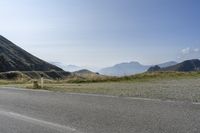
{"points": [[14, 58], [185, 66]]}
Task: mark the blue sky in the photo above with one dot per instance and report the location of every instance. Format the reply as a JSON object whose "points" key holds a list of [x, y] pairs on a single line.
{"points": [[104, 32]]}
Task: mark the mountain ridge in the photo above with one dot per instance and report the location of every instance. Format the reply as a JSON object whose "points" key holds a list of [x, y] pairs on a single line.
{"points": [[185, 66], [14, 58], [130, 68]]}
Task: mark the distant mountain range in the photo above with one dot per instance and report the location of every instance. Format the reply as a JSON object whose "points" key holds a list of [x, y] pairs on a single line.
{"points": [[130, 68], [73, 68], [124, 69], [121, 69], [14, 58], [185, 66], [69, 68]]}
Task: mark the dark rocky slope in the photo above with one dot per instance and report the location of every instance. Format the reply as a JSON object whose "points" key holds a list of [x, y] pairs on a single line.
{"points": [[185, 66], [14, 58]]}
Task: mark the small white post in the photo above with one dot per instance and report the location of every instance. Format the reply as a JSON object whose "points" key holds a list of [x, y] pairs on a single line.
{"points": [[42, 81]]}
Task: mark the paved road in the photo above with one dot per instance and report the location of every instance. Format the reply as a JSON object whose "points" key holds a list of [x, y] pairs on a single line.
{"points": [[26, 111]]}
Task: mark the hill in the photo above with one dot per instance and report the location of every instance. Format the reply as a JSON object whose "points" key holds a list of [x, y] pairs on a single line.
{"points": [[68, 68], [125, 69], [14, 58], [51, 75], [167, 64], [185, 66], [29, 75], [84, 71]]}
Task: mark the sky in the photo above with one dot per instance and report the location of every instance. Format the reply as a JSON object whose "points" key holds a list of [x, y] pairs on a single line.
{"points": [[104, 32]]}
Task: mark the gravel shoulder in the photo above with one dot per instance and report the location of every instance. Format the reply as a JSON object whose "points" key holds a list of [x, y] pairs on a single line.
{"points": [[187, 89]]}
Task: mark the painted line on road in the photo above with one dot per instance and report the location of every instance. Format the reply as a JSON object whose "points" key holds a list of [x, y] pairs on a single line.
{"points": [[102, 95], [88, 94], [196, 103], [123, 97], [131, 98], [25, 89], [55, 126]]}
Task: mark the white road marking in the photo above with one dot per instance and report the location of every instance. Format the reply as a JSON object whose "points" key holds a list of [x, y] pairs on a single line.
{"points": [[123, 97], [196, 103], [102, 95], [55, 126], [24, 89]]}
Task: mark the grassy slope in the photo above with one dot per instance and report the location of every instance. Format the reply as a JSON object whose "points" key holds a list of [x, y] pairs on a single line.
{"points": [[138, 77]]}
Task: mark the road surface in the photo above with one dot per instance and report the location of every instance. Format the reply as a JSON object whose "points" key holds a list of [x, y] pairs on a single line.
{"points": [[29, 111]]}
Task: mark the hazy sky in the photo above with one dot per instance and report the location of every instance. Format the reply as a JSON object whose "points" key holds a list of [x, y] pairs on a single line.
{"points": [[104, 32]]}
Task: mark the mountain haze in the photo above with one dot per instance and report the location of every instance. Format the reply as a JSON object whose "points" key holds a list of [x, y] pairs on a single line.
{"points": [[130, 68], [123, 69], [167, 64], [68, 68], [14, 58]]}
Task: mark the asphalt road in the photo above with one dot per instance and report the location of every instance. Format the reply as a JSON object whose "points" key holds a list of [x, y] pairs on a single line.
{"points": [[27, 111]]}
